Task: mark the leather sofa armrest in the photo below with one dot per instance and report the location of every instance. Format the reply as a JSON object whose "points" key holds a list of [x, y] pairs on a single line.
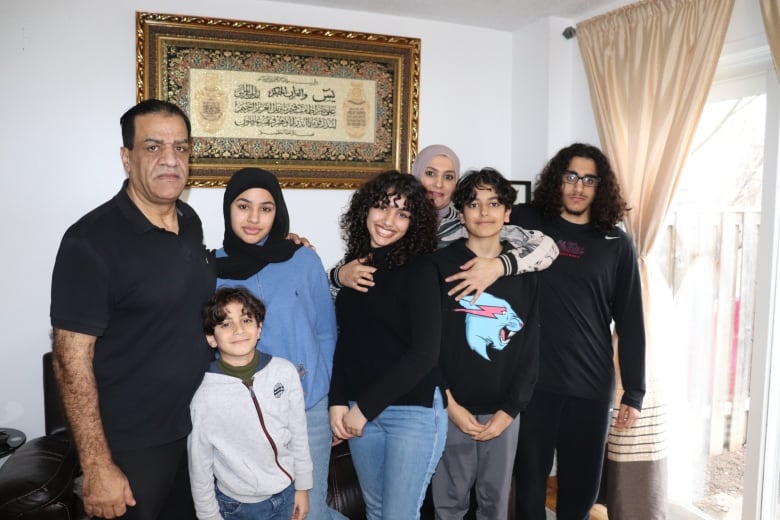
{"points": [[38, 478]]}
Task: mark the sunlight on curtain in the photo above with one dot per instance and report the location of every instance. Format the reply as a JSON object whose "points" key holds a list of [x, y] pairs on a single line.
{"points": [[649, 67], [770, 10]]}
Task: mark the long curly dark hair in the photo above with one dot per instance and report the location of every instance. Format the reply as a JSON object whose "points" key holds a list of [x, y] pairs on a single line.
{"points": [[419, 238], [608, 207]]}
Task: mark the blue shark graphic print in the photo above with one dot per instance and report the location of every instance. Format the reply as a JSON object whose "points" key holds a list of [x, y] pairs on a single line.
{"points": [[490, 323]]}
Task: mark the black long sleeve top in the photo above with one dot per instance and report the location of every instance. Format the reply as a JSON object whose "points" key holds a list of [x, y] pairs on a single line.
{"points": [[490, 350], [594, 281], [388, 345]]}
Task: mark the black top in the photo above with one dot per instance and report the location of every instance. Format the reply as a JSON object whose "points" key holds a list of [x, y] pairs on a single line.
{"points": [[594, 281], [139, 289], [388, 344], [489, 351]]}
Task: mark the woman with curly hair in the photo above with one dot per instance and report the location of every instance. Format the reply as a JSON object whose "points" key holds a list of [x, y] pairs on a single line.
{"points": [[437, 167], [384, 395], [593, 283]]}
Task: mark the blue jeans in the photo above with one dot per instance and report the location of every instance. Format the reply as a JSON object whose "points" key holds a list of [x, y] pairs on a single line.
{"points": [[320, 436], [396, 456], [279, 507]]}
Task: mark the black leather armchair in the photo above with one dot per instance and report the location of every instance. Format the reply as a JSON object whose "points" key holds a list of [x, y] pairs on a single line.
{"points": [[37, 480]]}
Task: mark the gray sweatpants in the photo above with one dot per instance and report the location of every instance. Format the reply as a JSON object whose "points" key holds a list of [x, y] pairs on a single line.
{"points": [[465, 463]]}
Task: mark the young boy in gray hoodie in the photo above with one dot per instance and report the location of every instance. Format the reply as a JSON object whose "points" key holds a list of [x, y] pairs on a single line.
{"points": [[248, 421]]}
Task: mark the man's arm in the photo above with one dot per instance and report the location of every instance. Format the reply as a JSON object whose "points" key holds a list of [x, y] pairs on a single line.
{"points": [[628, 315], [106, 490], [531, 250]]}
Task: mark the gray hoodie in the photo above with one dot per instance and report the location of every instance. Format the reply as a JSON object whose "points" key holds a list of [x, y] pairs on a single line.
{"points": [[253, 440]]}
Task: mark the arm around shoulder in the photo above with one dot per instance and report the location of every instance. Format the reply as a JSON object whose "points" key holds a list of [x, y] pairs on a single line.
{"points": [[333, 278], [355, 274], [532, 250]]}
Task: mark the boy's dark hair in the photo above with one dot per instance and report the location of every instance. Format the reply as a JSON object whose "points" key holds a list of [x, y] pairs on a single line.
{"points": [[214, 311], [608, 207], [486, 178], [148, 106], [420, 237]]}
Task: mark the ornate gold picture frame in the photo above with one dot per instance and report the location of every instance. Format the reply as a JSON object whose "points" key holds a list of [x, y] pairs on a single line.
{"points": [[320, 108]]}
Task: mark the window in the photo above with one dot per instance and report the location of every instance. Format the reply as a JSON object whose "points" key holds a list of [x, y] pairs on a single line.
{"points": [[710, 257]]}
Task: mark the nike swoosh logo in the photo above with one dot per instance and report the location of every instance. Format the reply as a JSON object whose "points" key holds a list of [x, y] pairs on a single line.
{"points": [[611, 238]]}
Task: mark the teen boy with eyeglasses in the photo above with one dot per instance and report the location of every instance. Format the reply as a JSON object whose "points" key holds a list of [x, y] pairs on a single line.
{"points": [[594, 281]]}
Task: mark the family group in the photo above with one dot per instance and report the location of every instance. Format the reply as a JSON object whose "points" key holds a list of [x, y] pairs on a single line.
{"points": [[462, 339]]}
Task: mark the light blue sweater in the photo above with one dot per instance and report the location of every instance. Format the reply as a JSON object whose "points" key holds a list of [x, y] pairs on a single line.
{"points": [[300, 322]]}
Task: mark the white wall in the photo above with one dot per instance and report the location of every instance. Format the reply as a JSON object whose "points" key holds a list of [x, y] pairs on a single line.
{"points": [[551, 102], [67, 72]]}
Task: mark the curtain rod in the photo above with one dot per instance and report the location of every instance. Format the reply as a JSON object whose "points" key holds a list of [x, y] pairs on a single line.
{"points": [[569, 33]]}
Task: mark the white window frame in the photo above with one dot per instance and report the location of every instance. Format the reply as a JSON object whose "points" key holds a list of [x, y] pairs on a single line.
{"points": [[762, 460]]}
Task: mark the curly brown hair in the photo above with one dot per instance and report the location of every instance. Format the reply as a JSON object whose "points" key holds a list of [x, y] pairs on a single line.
{"points": [[419, 238], [215, 310], [486, 178], [608, 207]]}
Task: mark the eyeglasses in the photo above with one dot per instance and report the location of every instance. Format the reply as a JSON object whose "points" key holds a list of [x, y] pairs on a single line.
{"points": [[589, 181]]}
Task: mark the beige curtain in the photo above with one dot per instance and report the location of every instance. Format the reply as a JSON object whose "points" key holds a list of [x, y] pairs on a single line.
{"points": [[770, 10], [650, 66]]}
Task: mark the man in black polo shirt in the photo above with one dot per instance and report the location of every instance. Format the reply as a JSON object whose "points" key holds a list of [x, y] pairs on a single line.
{"points": [[129, 283]]}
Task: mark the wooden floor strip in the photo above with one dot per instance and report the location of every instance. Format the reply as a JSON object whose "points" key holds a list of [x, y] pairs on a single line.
{"points": [[598, 512]]}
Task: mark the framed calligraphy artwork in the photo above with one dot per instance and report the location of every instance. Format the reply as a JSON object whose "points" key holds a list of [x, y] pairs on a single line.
{"points": [[320, 108]]}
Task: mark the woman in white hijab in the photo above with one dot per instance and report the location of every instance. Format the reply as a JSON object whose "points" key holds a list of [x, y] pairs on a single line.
{"points": [[437, 168]]}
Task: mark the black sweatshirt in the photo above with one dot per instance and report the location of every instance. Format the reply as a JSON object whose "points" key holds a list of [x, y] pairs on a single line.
{"points": [[594, 281], [489, 351]]}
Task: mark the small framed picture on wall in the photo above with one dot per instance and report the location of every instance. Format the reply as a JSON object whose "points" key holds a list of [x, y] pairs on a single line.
{"points": [[523, 191]]}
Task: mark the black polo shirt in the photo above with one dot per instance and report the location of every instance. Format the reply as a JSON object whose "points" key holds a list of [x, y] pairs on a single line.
{"points": [[140, 290]]}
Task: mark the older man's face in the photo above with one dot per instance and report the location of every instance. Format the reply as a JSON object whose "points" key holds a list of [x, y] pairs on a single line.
{"points": [[158, 164]]}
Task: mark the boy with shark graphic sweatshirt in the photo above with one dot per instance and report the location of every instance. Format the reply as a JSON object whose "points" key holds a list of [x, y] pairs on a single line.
{"points": [[489, 357]]}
